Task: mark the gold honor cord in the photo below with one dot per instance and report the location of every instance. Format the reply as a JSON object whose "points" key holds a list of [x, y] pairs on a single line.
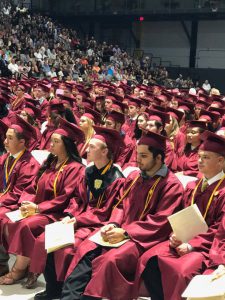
{"points": [[214, 192], [126, 192], [149, 197], [7, 174], [57, 176]]}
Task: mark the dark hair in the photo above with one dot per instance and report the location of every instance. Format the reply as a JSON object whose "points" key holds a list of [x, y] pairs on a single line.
{"points": [[21, 136], [69, 116], [71, 150], [155, 152], [159, 124]]}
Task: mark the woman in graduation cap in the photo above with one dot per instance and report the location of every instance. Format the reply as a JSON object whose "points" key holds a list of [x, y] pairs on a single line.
{"points": [[59, 179]]}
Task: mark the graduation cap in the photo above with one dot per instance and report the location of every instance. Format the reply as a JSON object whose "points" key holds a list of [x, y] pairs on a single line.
{"points": [[209, 116], [186, 106], [56, 106], [201, 104], [134, 101], [32, 110], [70, 130], [21, 126], [213, 143], [116, 116], [197, 123], [92, 114], [154, 140], [218, 101], [175, 113], [220, 111], [156, 115], [119, 106], [110, 137]]}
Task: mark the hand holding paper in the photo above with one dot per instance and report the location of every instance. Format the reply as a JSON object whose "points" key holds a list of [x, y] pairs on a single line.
{"points": [[188, 223]]}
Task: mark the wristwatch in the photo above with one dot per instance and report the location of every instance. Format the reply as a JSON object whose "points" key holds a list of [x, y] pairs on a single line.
{"points": [[126, 235]]}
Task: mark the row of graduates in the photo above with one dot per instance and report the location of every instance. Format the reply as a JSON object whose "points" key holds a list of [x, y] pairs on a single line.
{"points": [[99, 197], [130, 113]]}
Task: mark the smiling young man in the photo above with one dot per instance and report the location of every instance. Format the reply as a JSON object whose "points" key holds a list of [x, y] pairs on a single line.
{"points": [[139, 216], [176, 262]]}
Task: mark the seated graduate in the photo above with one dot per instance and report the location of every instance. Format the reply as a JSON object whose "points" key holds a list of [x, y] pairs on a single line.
{"points": [[104, 181], [18, 168], [44, 201], [140, 217], [184, 260], [187, 163]]}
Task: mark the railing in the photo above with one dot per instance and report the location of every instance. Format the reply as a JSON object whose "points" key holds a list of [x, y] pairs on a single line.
{"points": [[129, 7], [211, 58]]}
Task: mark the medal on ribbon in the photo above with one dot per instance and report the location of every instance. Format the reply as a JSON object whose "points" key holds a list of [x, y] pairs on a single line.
{"points": [[97, 184]]}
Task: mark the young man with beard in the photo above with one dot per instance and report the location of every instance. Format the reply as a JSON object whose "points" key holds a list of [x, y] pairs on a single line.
{"points": [[140, 216]]}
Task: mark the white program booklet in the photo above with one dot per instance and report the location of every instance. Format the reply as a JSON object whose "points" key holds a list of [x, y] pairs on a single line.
{"points": [[58, 235], [203, 287], [97, 238], [188, 223]]}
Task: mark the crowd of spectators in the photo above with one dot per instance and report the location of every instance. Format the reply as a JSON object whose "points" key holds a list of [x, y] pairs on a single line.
{"points": [[35, 46]]}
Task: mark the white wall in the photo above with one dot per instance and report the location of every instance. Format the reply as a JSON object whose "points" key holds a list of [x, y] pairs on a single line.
{"points": [[168, 40], [211, 45], [165, 39]]}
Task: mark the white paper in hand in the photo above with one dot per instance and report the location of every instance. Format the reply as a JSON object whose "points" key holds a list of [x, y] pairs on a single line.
{"points": [[203, 287], [188, 223], [58, 235], [15, 215], [97, 238]]}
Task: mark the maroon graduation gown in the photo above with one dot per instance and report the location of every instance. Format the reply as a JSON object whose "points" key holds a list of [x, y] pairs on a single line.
{"points": [[182, 269], [188, 163], [126, 153], [87, 222], [21, 177], [46, 137], [217, 251], [113, 271], [22, 235], [129, 127], [170, 157]]}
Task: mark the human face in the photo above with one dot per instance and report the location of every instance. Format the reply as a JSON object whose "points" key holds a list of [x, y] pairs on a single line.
{"points": [[95, 150], [120, 92], [108, 104], [152, 127], [23, 115], [168, 127], [79, 99], [132, 111], [110, 124], [12, 144], [210, 163], [84, 123], [136, 92], [145, 159], [57, 146], [193, 136], [142, 122], [142, 94]]}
